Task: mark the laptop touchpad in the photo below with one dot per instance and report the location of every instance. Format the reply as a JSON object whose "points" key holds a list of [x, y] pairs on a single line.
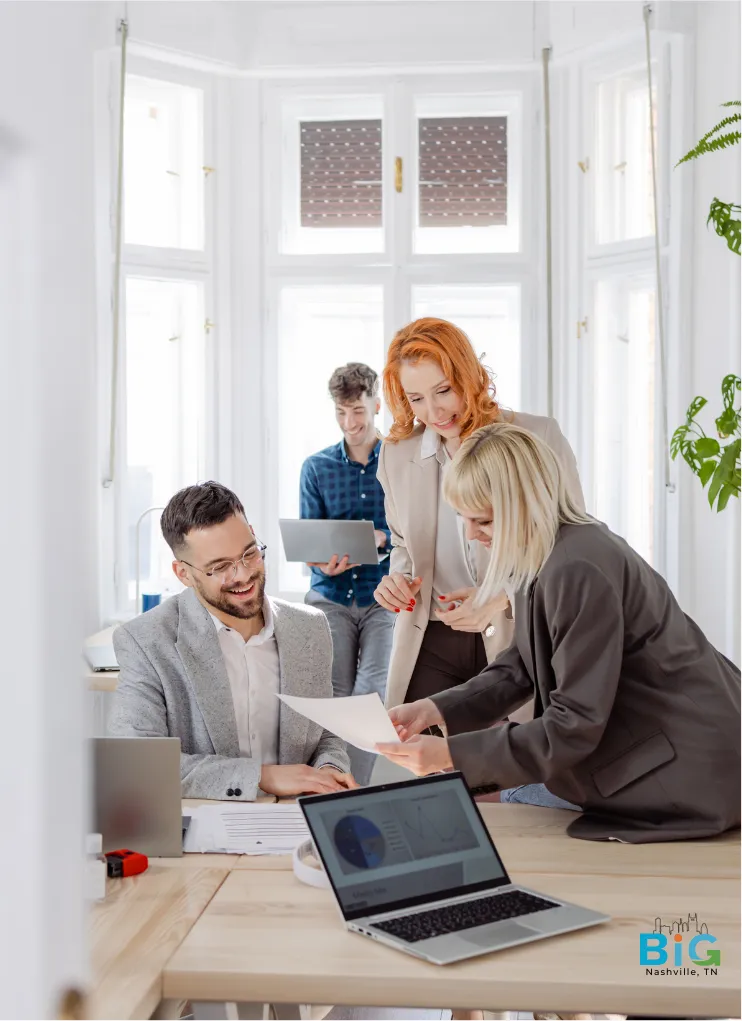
{"points": [[495, 935]]}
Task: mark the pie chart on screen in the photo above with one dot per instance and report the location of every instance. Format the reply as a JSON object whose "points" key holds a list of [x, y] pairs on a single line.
{"points": [[359, 842]]}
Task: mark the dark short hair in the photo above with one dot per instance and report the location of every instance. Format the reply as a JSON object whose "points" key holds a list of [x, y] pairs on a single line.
{"points": [[352, 381], [201, 506]]}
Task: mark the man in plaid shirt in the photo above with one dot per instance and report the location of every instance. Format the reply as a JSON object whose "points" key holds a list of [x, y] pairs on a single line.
{"points": [[340, 483]]}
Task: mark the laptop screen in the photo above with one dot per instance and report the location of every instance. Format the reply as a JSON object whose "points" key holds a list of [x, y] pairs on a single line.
{"points": [[400, 845]]}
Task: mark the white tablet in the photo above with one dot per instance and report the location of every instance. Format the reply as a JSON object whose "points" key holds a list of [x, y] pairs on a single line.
{"points": [[310, 541]]}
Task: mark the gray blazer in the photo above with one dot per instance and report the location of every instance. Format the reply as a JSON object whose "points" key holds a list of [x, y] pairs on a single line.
{"points": [[637, 716], [174, 683]]}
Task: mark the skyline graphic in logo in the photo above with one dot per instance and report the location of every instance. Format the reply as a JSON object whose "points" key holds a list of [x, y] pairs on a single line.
{"points": [[671, 936]]}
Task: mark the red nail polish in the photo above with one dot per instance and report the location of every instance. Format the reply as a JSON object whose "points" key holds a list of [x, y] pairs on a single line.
{"points": [[440, 597], [396, 609], [409, 609], [412, 602]]}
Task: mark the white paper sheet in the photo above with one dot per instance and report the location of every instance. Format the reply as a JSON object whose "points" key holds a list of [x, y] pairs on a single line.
{"points": [[246, 829], [361, 720]]}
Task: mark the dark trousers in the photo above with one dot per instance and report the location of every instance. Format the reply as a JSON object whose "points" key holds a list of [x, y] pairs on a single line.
{"points": [[446, 658]]}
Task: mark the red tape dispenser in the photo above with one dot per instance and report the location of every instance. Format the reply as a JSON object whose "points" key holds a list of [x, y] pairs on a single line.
{"points": [[125, 863]]}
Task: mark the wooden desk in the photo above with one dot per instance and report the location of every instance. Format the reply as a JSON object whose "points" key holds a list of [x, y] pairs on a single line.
{"points": [[269, 938], [535, 840], [102, 680], [136, 929]]}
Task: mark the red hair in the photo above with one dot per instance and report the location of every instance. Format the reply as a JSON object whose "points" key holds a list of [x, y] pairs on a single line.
{"points": [[442, 342]]}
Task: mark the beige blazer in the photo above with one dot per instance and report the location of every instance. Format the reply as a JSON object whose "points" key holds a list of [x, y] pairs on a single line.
{"points": [[411, 489]]}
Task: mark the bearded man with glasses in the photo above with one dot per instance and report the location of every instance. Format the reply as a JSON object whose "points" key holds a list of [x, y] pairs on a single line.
{"points": [[206, 666]]}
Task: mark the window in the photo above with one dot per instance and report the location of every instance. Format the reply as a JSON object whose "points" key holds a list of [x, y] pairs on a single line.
{"points": [[320, 329], [624, 207], [164, 413], [387, 200], [468, 174], [624, 409], [166, 317], [331, 200], [616, 333], [164, 164], [490, 316]]}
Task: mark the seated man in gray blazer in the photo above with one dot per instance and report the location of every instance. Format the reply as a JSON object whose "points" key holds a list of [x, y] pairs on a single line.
{"points": [[206, 665]]}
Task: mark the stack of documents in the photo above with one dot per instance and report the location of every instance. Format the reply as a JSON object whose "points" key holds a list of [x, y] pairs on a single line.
{"points": [[246, 829]]}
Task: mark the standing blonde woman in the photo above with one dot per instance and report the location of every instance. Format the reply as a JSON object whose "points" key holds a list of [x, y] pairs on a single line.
{"points": [[637, 714], [439, 393]]}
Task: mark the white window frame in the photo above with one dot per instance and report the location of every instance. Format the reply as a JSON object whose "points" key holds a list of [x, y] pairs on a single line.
{"points": [[155, 263], [586, 261], [398, 269]]}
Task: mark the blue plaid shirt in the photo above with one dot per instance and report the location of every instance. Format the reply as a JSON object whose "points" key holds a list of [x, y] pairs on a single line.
{"points": [[334, 487]]}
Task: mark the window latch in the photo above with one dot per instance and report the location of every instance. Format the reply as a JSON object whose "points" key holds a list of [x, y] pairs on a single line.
{"points": [[581, 326], [584, 165], [398, 174]]}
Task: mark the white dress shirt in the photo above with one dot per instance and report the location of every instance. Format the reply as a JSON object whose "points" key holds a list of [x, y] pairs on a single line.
{"points": [[451, 570], [254, 677]]}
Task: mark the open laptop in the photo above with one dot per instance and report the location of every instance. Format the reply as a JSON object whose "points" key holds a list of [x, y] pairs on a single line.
{"points": [[314, 541], [413, 866], [137, 794]]}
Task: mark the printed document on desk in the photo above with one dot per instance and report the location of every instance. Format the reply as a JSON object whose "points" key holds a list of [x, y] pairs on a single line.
{"points": [[361, 720], [248, 828]]}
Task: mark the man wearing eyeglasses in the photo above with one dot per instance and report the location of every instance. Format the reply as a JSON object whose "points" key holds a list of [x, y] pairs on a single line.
{"points": [[207, 665]]}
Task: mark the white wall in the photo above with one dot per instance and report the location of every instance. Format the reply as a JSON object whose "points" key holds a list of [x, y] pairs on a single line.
{"points": [[712, 597], [214, 30], [361, 32], [48, 600]]}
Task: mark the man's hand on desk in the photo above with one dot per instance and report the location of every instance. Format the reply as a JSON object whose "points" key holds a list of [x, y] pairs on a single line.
{"points": [[336, 565], [287, 781]]}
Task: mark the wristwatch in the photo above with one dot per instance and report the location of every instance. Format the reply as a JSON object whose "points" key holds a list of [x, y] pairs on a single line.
{"points": [[490, 631]]}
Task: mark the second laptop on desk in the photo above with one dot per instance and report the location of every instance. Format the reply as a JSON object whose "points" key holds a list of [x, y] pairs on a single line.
{"points": [[413, 866]]}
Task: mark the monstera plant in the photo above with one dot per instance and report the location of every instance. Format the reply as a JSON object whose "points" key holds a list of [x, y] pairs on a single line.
{"points": [[716, 463]]}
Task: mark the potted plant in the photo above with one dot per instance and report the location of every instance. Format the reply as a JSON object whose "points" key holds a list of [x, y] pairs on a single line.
{"points": [[716, 465]]}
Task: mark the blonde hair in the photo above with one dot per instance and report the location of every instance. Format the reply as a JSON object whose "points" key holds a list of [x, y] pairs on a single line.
{"points": [[511, 473]]}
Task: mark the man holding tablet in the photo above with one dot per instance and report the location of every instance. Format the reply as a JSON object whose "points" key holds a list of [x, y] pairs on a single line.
{"points": [[340, 483]]}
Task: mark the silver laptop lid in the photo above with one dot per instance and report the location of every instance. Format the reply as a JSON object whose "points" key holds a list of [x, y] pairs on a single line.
{"points": [[137, 794], [400, 845]]}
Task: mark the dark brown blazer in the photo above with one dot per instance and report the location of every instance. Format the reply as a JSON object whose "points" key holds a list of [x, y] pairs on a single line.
{"points": [[637, 715]]}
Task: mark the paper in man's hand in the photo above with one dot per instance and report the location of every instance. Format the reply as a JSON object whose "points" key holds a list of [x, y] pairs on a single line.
{"points": [[361, 720]]}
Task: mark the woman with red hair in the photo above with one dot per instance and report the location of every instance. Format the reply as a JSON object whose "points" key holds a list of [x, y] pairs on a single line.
{"points": [[439, 394]]}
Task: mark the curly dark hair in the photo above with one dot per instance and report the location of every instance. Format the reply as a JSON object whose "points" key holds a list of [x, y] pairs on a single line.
{"points": [[352, 381], [200, 506]]}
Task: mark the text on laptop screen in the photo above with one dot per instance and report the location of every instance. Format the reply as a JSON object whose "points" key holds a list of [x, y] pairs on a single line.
{"points": [[388, 846]]}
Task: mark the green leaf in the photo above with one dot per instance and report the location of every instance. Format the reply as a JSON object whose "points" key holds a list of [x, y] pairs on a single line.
{"points": [[725, 224], [707, 446], [727, 423], [716, 484], [694, 407], [730, 385], [677, 441], [706, 144], [726, 492], [707, 470]]}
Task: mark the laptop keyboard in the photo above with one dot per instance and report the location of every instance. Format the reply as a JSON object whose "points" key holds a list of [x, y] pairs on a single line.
{"points": [[466, 915]]}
